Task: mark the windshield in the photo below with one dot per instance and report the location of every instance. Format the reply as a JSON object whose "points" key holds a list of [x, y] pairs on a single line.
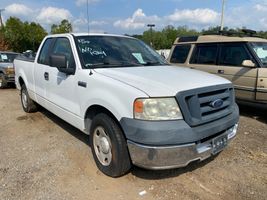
{"points": [[7, 57], [260, 49], [114, 51]]}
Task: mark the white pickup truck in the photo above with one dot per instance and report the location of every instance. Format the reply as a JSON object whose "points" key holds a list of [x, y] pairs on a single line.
{"points": [[136, 108]]}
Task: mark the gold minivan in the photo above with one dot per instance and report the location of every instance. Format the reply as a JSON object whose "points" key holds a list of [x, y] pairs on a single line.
{"points": [[242, 60]]}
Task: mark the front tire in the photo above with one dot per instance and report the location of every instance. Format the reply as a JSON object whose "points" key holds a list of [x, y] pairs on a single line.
{"points": [[109, 146], [27, 103]]}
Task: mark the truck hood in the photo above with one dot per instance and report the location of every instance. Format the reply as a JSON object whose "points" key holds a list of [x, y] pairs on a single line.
{"points": [[159, 81]]}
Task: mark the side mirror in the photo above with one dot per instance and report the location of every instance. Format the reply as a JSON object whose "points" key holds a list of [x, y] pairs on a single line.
{"points": [[248, 63], [60, 62]]}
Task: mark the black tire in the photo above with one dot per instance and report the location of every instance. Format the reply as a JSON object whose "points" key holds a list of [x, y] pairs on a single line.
{"points": [[3, 82], [27, 103], [119, 163]]}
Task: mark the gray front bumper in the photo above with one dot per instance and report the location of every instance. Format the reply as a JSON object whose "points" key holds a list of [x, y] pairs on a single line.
{"points": [[173, 156], [10, 78]]}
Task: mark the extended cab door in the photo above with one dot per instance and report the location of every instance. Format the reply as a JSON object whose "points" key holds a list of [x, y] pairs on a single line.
{"points": [[40, 67], [244, 78]]}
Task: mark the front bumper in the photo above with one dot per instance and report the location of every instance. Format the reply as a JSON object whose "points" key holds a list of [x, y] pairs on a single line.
{"points": [[173, 156], [10, 78]]}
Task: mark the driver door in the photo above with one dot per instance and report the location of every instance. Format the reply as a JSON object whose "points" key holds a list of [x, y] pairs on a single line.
{"points": [[62, 88]]}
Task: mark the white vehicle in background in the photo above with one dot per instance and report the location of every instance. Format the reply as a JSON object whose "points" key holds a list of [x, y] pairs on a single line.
{"points": [[164, 53], [137, 109]]}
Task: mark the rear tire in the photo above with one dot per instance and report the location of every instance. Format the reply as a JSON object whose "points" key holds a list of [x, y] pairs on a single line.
{"points": [[27, 103], [3, 82], [109, 146]]}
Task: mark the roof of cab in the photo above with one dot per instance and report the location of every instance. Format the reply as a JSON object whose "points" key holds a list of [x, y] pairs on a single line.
{"points": [[87, 34], [216, 39]]}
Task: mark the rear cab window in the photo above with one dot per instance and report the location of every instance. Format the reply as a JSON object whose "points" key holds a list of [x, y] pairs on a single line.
{"points": [[180, 53]]}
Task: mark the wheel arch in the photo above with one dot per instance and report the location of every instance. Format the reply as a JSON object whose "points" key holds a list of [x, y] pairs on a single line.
{"points": [[95, 109], [21, 81]]}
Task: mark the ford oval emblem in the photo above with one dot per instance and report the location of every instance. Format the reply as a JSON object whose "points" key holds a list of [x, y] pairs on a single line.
{"points": [[216, 103]]}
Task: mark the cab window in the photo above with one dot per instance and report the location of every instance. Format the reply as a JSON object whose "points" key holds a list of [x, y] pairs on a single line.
{"points": [[205, 54], [180, 53], [233, 54]]}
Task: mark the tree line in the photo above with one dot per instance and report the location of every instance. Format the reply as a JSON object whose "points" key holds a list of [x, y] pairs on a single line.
{"points": [[20, 36], [164, 39]]}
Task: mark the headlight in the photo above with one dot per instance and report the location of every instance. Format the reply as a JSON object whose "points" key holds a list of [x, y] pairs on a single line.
{"points": [[157, 109]]}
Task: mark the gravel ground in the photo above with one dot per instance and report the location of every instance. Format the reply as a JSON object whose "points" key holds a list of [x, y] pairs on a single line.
{"points": [[42, 157]]}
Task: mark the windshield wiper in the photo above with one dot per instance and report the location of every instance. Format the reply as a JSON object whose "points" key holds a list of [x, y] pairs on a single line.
{"points": [[107, 64], [152, 63], [96, 65]]}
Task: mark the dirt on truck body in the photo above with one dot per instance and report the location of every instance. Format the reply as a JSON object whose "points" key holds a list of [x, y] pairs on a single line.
{"points": [[42, 157]]}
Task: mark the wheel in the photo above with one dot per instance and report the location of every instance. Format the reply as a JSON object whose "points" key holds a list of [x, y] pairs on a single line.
{"points": [[109, 146], [3, 82], [27, 103]]}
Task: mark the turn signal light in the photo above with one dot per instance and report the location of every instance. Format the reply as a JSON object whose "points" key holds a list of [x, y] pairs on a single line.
{"points": [[138, 106]]}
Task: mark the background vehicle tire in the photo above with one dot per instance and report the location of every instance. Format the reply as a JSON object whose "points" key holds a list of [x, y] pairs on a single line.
{"points": [[3, 83], [109, 146], [27, 103]]}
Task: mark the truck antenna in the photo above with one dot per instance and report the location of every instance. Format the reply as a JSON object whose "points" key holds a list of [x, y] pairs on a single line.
{"points": [[87, 6]]}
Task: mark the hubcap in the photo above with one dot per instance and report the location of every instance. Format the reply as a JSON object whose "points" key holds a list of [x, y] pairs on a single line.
{"points": [[102, 146], [24, 99]]}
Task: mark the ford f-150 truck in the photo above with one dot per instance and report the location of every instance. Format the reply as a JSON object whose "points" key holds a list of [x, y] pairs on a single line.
{"points": [[136, 108]]}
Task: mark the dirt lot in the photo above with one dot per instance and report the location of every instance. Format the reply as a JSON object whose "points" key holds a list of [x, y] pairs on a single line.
{"points": [[42, 157]]}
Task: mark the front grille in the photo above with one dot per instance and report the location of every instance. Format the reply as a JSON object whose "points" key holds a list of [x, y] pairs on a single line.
{"points": [[196, 104]]}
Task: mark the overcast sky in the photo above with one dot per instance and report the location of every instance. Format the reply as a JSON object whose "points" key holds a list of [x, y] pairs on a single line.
{"points": [[132, 16]]}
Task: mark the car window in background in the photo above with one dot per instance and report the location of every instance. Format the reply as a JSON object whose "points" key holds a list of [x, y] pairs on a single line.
{"points": [[7, 57], [110, 51], [260, 49], [205, 54], [233, 54], [44, 55], [180, 53]]}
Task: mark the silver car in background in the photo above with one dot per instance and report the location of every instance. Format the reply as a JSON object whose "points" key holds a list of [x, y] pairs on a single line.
{"points": [[7, 72]]}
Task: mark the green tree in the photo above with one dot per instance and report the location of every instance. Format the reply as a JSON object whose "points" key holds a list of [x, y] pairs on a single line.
{"points": [[35, 35], [64, 27], [3, 43], [14, 34], [262, 34], [21, 36], [164, 39]]}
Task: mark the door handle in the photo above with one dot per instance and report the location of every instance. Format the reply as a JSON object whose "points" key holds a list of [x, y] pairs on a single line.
{"points": [[82, 84], [46, 76], [220, 71]]}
